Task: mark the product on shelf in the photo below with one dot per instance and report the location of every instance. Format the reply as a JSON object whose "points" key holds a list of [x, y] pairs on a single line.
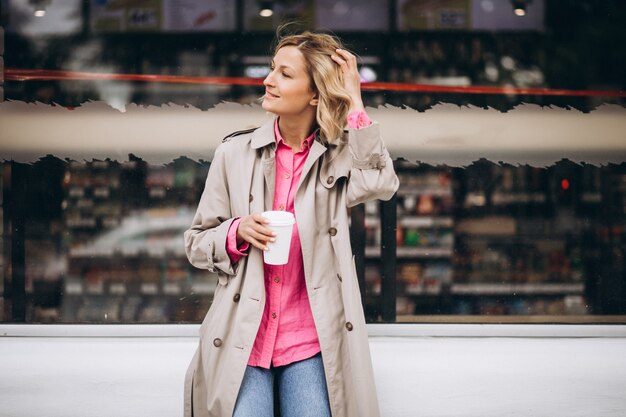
{"points": [[499, 240]]}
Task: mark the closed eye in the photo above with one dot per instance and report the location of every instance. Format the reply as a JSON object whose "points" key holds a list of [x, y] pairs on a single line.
{"points": [[283, 73]]}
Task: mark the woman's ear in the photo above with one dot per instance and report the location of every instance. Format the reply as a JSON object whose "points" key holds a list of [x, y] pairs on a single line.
{"points": [[314, 100]]}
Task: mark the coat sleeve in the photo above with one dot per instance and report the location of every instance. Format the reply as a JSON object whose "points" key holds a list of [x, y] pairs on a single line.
{"points": [[371, 175], [205, 240]]}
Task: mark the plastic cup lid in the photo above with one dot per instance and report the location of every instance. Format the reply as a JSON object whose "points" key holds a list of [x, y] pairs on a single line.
{"points": [[279, 218]]}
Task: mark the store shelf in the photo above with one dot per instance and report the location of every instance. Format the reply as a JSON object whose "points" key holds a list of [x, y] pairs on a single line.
{"points": [[77, 288], [204, 287], [422, 291], [501, 199], [516, 289], [490, 226], [425, 190], [102, 192], [591, 198], [495, 289], [117, 289], [76, 192], [416, 221], [105, 256], [149, 288], [412, 252], [427, 221], [512, 238]]}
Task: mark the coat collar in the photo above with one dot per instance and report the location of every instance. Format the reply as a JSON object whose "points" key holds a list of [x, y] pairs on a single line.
{"points": [[264, 136]]}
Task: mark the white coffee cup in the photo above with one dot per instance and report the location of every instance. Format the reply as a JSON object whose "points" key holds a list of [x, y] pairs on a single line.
{"points": [[281, 222]]}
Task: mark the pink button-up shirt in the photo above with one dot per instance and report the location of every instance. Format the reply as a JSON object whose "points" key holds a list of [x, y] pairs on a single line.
{"points": [[287, 332]]}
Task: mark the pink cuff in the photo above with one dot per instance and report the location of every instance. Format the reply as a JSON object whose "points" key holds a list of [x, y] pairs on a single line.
{"points": [[235, 253], [358, 119]]}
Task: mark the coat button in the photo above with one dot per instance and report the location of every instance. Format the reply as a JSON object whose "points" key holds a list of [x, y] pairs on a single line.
{"points": [[236, 297], [217, 342], [250, 198], [273, 315], [349, 326], [330, 179], [332, 231], [339, 278]]}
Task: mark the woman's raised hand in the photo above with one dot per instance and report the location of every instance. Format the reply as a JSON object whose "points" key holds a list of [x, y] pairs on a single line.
{"points": [[252, 229], [351, 77]]}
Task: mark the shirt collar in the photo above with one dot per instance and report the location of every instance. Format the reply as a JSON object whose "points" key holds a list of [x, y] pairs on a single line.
{"points": [[306, 143]]}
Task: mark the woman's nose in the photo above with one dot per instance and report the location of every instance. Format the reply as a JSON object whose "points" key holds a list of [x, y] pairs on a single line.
{"points": [[268, 79]]}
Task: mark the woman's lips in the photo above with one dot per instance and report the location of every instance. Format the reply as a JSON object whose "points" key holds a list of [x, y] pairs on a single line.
{"points": [[270, 95]]}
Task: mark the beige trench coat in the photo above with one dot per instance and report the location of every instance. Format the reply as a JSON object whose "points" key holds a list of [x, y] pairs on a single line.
{"points": [[241, 182]]}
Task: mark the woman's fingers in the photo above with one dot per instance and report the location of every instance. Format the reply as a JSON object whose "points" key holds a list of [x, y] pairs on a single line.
{"points": [[257, 232], [252, 229], [256, 243], [255, 239], [351, 77], [345, 58], [339, 60], [342, 62], [259, 219], [259, 227]]}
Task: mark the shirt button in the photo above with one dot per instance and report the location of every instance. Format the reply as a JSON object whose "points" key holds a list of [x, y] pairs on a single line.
{"points": [[217, 342], [276, 280], [250, 198], [273, 315], [330, 179], [287, 175], [236, 297], [332, 231], [349, 326], [281, 206]]}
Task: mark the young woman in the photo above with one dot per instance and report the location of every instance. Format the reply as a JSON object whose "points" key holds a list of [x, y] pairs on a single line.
{"points": [[290, 337]]}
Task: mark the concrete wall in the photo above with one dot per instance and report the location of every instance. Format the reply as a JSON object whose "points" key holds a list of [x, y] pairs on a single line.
{"points": [[421, 370]]}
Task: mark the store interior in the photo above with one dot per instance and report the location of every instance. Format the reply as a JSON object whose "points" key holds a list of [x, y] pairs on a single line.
{"points": [[99, 240], [103, 241]]}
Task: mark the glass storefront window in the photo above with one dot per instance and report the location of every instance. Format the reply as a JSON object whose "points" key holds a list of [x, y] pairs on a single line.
{"points": [[99, 240]]}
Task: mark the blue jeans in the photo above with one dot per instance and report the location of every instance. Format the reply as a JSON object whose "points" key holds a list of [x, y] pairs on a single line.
{"points": [[301, 390]]}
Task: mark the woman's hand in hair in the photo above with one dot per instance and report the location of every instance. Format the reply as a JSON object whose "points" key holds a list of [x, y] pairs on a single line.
{"points": [[351, 77], [253, 229]]}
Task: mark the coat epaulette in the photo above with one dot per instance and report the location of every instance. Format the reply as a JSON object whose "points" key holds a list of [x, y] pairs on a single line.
{"points": [[237, 133]]}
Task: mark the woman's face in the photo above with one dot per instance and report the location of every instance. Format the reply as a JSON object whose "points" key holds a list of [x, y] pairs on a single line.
{"points": [[287, 86]]}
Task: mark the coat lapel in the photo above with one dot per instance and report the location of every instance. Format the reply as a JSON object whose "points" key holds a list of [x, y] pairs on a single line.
{"points": [[264, 141], [316, 151], [268, 160]]}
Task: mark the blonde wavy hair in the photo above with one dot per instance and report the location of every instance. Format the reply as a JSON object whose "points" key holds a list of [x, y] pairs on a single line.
{"points": [[326, 80]]}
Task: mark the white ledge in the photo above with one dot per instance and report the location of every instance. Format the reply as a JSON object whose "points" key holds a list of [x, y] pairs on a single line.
{"points": [[374, 330]]}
